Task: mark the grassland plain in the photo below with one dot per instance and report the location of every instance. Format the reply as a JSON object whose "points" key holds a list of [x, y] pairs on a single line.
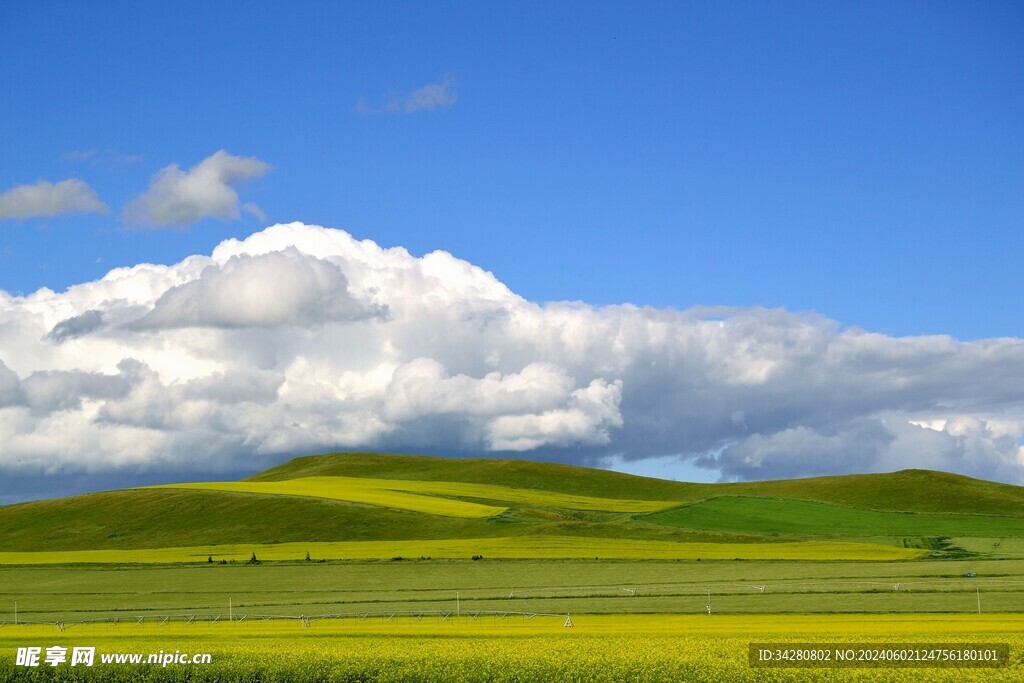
{"points": [[76, 593], [597, 648]]}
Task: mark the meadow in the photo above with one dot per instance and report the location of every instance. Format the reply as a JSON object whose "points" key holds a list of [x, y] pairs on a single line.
{"points": [[48, 594]]}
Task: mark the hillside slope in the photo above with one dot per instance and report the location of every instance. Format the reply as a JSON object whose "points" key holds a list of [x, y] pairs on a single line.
{"points": [[904, 491], [357, 497]]}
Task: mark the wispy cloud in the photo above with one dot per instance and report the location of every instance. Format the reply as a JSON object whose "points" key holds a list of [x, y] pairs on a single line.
{"points": [[253, 209], [44, 198], [431, 96], [80, 155], [176, 197], [98, 157]]}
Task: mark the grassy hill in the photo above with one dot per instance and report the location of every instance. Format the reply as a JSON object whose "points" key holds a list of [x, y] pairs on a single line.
{"points": [[520, 474], [904, 491], [402, 499]]}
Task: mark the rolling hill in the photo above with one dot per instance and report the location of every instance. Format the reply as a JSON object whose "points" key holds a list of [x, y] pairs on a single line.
{"points": [[903, 491], [375, 505]]}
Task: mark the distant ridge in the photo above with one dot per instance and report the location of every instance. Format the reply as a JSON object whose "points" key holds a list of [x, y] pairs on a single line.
{"points": [[911, 490], [199, 514]]}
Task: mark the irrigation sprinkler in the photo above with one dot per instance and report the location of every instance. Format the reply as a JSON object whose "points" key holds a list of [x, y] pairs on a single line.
{"points": [[709, 601]]}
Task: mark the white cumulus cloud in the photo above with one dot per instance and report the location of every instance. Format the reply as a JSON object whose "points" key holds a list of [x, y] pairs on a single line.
{"points": [[177, 197], [268, 290], [302, 339], [44, 198]]}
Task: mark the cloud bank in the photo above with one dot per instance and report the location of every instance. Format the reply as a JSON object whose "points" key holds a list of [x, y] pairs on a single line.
{"points": [[177, 197], [44, 198], [301, 339]]}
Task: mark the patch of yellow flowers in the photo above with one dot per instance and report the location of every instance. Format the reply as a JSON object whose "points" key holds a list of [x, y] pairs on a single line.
{"points": [[512, 650]]}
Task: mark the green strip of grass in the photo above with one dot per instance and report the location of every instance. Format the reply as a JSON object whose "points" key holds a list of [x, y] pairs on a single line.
{"points": [[514, 547], [802, 518]]}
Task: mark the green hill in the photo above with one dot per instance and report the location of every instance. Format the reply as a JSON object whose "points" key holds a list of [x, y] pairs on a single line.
{"points": [[521, 474], [367, 497], [904, 491]]}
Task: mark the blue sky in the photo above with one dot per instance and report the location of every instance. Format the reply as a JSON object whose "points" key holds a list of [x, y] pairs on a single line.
{"points": [[817, 210], [862, 160]]}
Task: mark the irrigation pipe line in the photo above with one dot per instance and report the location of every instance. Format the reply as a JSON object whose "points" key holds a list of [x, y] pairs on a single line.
{"points": [[443, 615], [607, 590], [637, 589]]}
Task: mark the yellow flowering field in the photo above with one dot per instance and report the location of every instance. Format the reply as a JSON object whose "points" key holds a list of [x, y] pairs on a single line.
{"points": [[514, 649], [364, 491]]}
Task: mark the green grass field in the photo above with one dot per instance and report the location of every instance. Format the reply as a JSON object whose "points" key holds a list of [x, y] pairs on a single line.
{"points": [[69, 593], [807, 518]]}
